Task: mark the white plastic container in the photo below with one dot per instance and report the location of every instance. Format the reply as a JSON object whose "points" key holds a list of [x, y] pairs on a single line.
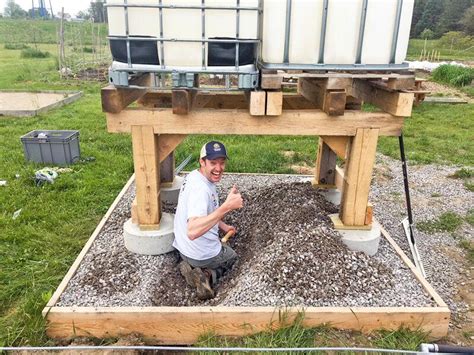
{"points": [[183, 24], [341, 38]]}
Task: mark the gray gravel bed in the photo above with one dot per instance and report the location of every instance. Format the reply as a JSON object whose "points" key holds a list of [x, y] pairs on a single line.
{"points": [[289, 255], [433, 192]]}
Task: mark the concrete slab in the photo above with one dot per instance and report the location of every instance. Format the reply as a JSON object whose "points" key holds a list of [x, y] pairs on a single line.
{"points": [[25, 104], [154, 242]]}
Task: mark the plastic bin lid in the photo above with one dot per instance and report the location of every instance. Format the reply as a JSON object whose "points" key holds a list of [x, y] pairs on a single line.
{"points": [[50, 135]]}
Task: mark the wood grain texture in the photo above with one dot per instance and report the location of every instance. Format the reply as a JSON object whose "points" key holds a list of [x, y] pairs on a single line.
{"points": [[338, 145], [274, 105], [357, 177], [209, 121], [183, 325], [116, 99], [147, 175], [325, 165], [257, 103]]}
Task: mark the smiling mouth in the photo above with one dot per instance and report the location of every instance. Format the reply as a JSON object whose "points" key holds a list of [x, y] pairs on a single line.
{"points": [[216, 174]]}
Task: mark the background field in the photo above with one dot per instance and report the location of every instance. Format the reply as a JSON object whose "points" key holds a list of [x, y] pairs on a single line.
{"points": [[38, 247]]}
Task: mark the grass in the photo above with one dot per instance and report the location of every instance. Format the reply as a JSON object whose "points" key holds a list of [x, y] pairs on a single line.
{"points": [[38, 247], [294, 335], [15, 46], [453, 75], [34, 53], [415, 47], [447, 222]]}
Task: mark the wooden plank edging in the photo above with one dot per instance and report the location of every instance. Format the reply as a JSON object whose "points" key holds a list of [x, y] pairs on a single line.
{"points": [[72, 270]]}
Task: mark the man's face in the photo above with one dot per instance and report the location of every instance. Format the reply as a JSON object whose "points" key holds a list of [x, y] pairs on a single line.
{"points": [[212, 169]]}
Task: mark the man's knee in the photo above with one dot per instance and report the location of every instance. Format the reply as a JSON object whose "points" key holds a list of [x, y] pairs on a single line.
{"points": [[230, 255]]}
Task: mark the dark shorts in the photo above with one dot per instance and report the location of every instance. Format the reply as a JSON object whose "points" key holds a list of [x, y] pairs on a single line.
{"points": [[217, 264]]}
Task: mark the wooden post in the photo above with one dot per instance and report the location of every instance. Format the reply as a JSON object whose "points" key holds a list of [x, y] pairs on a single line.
{"points": [[357, 177], [325, 165], [147, 173], [167, 171]]}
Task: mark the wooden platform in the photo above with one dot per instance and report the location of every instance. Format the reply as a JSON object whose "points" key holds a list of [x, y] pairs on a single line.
{"points": [[183, 325]]}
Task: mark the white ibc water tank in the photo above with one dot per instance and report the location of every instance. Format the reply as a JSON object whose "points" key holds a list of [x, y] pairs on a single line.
{"points": [[332, 32], [341, 31]]}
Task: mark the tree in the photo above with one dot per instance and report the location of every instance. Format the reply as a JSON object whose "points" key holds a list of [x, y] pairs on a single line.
{"points": [[14, 10], [417, 13], [453, 13], [468, 21], [84, 15], [431, 17], [97, 11]]}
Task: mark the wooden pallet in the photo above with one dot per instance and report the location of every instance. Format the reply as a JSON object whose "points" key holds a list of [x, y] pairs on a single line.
{"points": [[183, 325]]}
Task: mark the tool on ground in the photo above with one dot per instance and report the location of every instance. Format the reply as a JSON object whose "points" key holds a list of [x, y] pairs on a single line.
{"points": [[183, 164], [408, 222], [228, 235], [445, 349]]}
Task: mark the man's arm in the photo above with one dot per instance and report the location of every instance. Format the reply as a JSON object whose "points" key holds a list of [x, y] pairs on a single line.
{"points": [[197, 226]]}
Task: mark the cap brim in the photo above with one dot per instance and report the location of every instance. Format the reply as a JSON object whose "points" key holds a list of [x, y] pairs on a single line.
{"points": [[216, 156]]}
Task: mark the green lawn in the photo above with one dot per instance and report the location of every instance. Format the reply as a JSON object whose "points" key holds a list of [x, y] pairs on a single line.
{"points": [[415, 47], [38, 247]]}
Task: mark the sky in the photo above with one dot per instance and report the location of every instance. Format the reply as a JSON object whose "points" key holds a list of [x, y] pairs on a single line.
{"points": [[70, 6]]}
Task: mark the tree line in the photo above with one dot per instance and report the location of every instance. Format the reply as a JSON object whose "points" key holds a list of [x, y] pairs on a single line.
{"points": [[433, 18], [96, 12]]}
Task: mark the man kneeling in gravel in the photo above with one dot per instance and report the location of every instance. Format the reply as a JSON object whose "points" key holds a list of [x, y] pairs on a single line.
{"points": [[198, 220]]}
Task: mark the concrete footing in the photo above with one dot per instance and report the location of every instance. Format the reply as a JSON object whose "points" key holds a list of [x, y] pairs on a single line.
{"points": [[170, 194], [332, 195], [153, 242], [362, 240]]}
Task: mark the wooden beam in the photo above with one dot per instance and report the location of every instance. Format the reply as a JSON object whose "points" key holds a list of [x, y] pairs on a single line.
{"points": [[134, 212], [184, 325], [395, 103], [257, 103], [400, 83], [325, 165], [274, 103], [270, 80], [338, 145], [182, 101], [167, 170], [357, 177], [147, 173], [209, 121], [116, 99], [168, 143], [339, 179], [327, 94]]}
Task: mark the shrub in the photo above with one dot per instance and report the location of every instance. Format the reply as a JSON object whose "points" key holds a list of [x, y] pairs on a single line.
{"points": [[456, 40], [15, 46], [453, 75], [427, 34], [34, 53]]}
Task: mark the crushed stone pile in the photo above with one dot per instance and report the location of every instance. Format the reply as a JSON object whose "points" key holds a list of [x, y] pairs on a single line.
{"points": [[289, 255]]}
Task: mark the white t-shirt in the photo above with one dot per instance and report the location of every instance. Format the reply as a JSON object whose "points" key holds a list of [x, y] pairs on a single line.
{"points": [[197, 198]]}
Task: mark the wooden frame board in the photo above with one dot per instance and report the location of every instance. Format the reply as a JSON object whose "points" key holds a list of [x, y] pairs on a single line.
{"points": [[183, 325]]}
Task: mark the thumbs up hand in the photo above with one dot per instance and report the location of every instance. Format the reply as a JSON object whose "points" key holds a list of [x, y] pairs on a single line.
{"points": [[234, 199]]}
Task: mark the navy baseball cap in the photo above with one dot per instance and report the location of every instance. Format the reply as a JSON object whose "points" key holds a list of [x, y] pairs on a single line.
{"points": [[213, 150]]}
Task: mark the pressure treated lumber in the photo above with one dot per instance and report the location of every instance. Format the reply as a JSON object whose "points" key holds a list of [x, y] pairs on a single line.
{"points": [[147, 173], [182, 101], [257, 103], [357, 177], [395, 103], [209, 121], [168, 143], [116, 99]]}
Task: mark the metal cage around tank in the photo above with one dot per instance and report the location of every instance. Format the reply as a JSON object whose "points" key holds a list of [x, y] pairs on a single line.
{"points": [[248, 75]]}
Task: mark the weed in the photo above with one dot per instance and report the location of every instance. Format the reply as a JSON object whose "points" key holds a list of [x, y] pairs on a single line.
{"points": [[469, 186], [402, 338], [15, 46], [435, 194], [447, 222], [470, 217], [453, 75], [468, 246], [463, 173], [34, 53]]}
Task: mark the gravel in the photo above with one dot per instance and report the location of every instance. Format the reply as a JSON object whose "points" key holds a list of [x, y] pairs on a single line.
{"points": [[289, 253]]}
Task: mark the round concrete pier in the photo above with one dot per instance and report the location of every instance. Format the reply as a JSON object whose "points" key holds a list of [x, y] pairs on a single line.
{"points": [[362, 240], [170, 194], [332, 195], [152, 242]]}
